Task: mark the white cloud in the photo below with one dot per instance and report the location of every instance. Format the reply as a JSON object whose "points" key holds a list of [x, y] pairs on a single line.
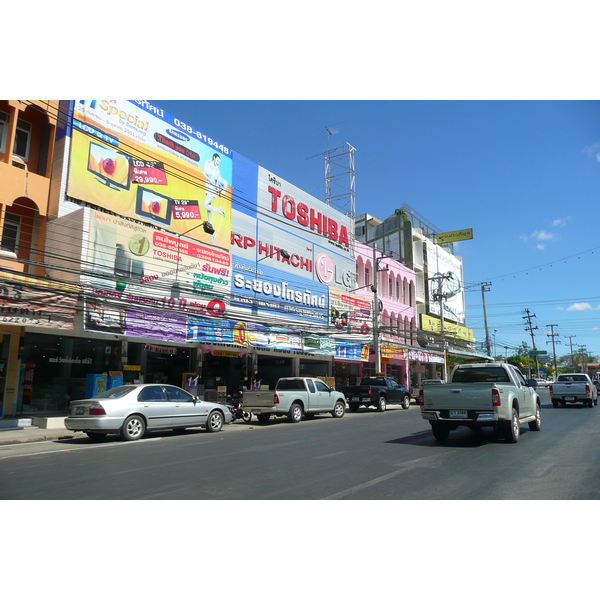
{"points": [[593, 150], [580, 306], [560, 222], [541, 247]]}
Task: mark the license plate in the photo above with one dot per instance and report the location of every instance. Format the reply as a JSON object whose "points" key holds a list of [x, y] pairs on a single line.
{"points": [[79, 410], [458, 414], [356, 399], [569, 397]]}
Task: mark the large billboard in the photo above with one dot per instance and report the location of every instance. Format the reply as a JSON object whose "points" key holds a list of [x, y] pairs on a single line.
{"points": [[296, 211], [441, 263], [145, 282], [133, 159]]}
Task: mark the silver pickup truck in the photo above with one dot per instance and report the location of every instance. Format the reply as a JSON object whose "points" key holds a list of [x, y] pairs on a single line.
{"points": [[573, 387], [295, 397], [482, 395]]}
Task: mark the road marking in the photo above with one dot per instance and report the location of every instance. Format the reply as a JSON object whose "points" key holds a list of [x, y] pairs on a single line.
{"points": [[70, 448], [541, 469], [330, 455], [431, 461]]}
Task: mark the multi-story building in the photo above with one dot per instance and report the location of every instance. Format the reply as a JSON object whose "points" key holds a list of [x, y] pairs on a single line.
{"points": [[27, 133], [439, 288]]}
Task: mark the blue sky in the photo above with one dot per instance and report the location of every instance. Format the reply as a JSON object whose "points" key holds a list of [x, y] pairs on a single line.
{"points": [[524, 175]]}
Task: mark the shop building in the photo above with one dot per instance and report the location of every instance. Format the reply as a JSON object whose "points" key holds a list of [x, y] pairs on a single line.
{"points": [[27, 133]]}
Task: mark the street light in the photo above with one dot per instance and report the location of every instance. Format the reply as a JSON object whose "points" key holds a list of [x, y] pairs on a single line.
{"points": [[282, 253]]}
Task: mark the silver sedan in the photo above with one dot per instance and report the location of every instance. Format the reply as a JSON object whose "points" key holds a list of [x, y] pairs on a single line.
{"points": [[131, 410]]}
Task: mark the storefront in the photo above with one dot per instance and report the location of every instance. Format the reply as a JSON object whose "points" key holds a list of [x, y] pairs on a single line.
{"points": [[55, 369]]}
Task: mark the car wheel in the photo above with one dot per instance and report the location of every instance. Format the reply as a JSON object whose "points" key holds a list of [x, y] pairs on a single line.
{"points": [[133, 428], [406, 402], [513, 429], [339, 410], [440, 431], [537, 424], [295, 414], [263, 417], [354, 406], [555, 403], [381, 404], [590, 403], [214, 422], [96, 436], [246, 416]]}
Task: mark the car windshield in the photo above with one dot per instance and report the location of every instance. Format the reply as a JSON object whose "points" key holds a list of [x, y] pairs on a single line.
{"points": [[572, 378], [117, 392], [373, 381], [291, 384], [481, 375]]}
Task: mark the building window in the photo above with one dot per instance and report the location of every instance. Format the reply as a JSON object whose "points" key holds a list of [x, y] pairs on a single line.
{"points": [[10, 232], [22, 140], [367, 277], [3, 131]]}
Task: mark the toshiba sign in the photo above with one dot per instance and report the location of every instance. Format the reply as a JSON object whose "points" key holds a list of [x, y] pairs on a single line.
{"points": [[301, 213]]}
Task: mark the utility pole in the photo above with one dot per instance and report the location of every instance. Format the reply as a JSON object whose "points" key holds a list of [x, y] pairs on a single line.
{"points": [[439, 296], [377, 270], [553, 335], [571, 346], [529, 316], [584, 359], [485, 288]]}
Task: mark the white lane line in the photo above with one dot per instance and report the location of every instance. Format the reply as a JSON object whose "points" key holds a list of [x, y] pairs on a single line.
{"points": [[431, 461], [72, 448]]}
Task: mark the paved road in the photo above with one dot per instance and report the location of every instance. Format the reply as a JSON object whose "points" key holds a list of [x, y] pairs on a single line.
{"points": [[364, 456]]}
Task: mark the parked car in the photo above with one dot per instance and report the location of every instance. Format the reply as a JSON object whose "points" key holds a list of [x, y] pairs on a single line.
{"points": [[377, 391], [131, 410], [295, 397]]}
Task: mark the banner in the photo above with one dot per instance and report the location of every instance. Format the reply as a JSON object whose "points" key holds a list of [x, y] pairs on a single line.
{"points": [[146, 283], [135, 160], [32, 302]]}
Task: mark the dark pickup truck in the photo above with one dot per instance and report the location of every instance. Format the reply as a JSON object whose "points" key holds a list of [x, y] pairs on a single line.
{"points": [[376, 391]]}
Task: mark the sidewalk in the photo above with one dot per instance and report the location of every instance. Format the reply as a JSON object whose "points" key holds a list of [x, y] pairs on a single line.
{"points": [[20, 435]]}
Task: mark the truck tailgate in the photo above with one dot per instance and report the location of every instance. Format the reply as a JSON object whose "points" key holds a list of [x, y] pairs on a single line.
{"points": [[256, 400], [458, 396]]}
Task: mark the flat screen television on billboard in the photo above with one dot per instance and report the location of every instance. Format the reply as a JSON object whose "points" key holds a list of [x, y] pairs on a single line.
{"points": [[110, 166], [153, 206]]}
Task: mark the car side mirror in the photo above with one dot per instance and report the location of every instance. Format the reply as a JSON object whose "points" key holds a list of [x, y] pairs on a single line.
{"points": [[531, 383]]}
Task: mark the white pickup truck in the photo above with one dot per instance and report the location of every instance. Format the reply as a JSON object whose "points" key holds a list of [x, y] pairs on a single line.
{"points": [[573, 387], [482, 395], [295, 397]]}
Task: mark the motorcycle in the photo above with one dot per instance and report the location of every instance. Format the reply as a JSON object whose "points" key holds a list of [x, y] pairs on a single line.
{"points": [[236, 406]]}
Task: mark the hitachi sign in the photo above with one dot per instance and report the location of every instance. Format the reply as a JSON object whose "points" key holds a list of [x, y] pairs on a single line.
{"points": [[308, 217]]}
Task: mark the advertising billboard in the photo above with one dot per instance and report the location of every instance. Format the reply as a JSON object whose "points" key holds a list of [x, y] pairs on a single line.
{"points": [[349, 313], [260, 289], [137, 161], [267, 243], [442, 262], [145, 282], [293, 210]]}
